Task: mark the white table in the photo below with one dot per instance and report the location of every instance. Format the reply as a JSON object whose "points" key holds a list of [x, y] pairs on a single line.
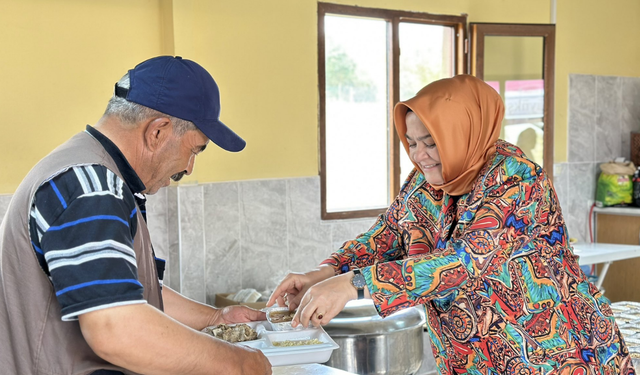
{"points": [[593, 253]]}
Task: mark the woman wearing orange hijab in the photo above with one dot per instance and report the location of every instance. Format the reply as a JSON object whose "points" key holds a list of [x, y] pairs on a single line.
{"points": [[476, 236]]}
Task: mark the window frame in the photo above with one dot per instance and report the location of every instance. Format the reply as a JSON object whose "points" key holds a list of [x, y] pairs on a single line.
{"points": [[393, 18], [480, 30]]}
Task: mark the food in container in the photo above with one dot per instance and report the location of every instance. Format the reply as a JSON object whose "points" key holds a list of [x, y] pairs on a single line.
{"points": [[311, 345], [626, 332], [631, 341], [296, 342], [625, 318], [235, 333], [630, 304], [284, 347], [618, 309], [280, 318]]}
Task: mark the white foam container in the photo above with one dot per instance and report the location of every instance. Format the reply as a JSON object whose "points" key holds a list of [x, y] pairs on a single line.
{"points": [[302, 354], [291, 355], [281, 326]]}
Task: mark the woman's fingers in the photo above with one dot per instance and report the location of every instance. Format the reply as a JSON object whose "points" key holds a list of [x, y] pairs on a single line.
{"points": [[278, 294], [312, 304], [319, 318], [298, 315], [296, 284], [323, 301], [291, 284]]}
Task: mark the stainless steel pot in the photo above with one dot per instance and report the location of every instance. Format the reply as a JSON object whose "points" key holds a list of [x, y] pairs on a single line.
{"points": [[372, 345]]}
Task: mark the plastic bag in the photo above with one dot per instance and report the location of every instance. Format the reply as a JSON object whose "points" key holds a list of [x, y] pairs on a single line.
{"points": [[615, 184]]}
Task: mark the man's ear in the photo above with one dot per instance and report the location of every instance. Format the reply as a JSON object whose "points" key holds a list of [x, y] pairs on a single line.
{"points": [[157, 131]]}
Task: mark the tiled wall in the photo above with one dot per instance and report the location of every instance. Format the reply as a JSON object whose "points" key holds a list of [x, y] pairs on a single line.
{"points": [[603, 111], [222, 237]]}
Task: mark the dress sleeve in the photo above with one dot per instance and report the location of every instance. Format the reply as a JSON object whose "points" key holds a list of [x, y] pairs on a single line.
{"points": [[381, 243], [510, 215]]}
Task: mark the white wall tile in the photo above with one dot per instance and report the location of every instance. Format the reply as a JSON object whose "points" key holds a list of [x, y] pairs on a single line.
{"points": [[608, 118], [191, 214], [582, 126], [223, 259]]}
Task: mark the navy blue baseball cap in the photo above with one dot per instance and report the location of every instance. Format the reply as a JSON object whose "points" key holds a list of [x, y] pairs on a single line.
{"points": [[183, 89]]}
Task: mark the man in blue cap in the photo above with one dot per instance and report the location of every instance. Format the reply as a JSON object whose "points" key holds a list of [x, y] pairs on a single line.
{"points": [[80, 287]]}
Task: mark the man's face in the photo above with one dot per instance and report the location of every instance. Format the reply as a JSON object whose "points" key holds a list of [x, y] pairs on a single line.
{"points": [[175, 158]]}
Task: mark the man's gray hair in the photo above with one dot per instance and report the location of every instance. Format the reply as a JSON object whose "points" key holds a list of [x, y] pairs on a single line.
{"points": [[131, 113]]}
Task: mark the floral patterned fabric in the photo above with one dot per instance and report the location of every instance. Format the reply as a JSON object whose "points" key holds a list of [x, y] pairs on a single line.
{"points": [[502, 290]]}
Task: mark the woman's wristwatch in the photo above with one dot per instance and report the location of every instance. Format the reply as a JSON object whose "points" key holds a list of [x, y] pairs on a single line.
{"points": [[358, 282]]}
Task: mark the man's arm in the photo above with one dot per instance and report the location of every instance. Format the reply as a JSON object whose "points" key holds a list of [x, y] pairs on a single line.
{"points": [[141, 338], [198, 315]]}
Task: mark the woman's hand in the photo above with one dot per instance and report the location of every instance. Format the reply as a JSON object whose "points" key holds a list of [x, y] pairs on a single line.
{"points": [[294, 286], [324, 300]]}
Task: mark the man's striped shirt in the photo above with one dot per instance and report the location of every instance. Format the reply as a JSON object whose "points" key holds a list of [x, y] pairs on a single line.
{"points": [[83, 222]]}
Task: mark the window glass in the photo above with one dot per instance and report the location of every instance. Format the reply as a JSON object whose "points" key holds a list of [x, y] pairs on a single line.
{"points": [[356, 131], [523, 116], [514, 64], [426, 56]]}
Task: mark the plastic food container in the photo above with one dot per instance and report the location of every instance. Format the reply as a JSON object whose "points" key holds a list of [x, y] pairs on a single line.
{"points": [[319, 352], [298, 354], [280, 318]]}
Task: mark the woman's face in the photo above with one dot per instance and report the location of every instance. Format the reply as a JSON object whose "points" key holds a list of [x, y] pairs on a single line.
{"points": [[423, 150]]}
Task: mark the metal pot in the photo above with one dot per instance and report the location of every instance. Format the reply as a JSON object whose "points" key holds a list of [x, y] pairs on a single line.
{"points": [[372, 345]]}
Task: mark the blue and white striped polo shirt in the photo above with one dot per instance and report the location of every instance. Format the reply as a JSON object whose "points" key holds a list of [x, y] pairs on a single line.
{"points": [[83, 222]]}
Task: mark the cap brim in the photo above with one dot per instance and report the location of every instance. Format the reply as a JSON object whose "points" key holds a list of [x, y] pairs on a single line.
{"points": [[221, 135]]}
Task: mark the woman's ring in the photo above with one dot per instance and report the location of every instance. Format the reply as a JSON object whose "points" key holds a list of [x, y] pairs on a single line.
{"points": [[320, 316]]}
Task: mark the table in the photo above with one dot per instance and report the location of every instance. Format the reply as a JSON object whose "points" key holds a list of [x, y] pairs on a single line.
{"points": [[593, 253], [619, 225]]}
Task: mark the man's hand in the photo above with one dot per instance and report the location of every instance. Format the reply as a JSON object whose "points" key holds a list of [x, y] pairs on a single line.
{"points": [[239, 314]]}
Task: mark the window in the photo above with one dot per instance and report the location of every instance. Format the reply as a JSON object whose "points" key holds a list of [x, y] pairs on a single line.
{"points": [[362, 74]]}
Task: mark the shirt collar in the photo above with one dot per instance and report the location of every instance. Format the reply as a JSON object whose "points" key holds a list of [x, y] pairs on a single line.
{"points": [[130, 176]]}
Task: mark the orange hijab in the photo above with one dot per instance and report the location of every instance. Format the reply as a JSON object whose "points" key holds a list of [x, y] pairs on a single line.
{"points": [[463, 115]]}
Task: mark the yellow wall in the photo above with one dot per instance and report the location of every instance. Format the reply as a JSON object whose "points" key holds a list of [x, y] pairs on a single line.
{"points": [[510, 58], [593, 37], [59, 60]]}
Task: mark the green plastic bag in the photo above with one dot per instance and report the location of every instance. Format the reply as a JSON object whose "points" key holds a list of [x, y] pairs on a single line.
{"points": [[615, 184]]}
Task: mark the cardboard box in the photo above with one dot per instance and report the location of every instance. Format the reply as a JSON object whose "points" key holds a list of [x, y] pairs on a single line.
{"points": [[222, 301]]}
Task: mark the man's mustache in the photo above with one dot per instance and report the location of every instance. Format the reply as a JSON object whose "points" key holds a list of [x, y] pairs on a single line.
{"points": [[178, 176]]}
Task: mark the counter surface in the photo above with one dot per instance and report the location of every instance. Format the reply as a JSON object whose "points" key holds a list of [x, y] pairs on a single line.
{"points": [[627, 211], [312, 369]]}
